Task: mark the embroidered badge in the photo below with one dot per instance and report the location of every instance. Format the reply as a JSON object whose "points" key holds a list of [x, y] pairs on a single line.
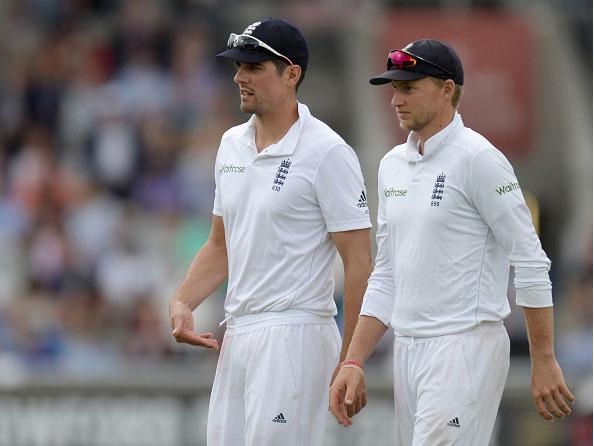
{"points": [[438, 189], [281, 175], [250, 29]]}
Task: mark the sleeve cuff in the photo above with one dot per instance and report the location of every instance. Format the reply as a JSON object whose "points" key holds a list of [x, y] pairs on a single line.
{"points": [[375, 305], [348, 226], [534, 298]]}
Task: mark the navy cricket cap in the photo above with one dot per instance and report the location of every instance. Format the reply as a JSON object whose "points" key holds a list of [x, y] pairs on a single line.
{"points": [[422, 58], [279, 35]]}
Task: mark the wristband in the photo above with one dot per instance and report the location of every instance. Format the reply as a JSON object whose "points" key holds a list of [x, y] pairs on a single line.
{"points": [[352, 365]]}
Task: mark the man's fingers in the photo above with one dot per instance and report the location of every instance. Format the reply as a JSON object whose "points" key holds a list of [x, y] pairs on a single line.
{"points": [[552, 408], [350, 411], [189, 337], [349, 396], [334, 399], [338, 408], [561, 404], [567, 394], [177, 322], [349, 401], [357, 406], [540, 407]]}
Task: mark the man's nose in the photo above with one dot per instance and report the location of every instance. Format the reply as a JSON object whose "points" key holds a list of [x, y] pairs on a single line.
{"points": [[397, 99], [239, 75]]}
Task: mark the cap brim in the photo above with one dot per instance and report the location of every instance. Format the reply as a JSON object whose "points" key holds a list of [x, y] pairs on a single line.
{"points": [[396, 75], [245, 56]]}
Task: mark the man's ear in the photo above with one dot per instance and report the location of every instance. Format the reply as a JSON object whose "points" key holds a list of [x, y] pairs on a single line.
{"points": [[294, 74], [449, 87]]}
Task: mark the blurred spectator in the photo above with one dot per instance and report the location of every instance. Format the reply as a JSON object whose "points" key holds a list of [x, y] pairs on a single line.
{"points": [[115, 150], [30, 171], [91, 221], [48, 249], [146, 323], [157, 188], [35, 329], [111, 113], [197, 85], [125, 271]]}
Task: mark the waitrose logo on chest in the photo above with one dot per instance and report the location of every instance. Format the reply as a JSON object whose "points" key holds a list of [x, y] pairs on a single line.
{"points": [[392, 192], [231, 168]]}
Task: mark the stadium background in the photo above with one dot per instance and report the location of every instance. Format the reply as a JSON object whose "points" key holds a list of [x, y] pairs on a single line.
{"points": [[110, 117]]}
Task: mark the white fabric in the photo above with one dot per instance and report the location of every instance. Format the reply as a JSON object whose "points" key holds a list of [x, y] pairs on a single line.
{"points": [[278, 207], [272, 364], [450, 222], [447, 389]]}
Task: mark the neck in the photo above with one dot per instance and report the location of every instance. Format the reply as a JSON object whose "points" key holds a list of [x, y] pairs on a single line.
{"points": [[437, 124], [271, 127]]}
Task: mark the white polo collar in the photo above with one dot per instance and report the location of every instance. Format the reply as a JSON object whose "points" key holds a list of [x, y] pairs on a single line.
{"points": [[286, 145], [433, 143]]}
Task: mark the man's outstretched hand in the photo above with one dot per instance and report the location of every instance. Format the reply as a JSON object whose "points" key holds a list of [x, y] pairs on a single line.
{"points": [[182, 325]]}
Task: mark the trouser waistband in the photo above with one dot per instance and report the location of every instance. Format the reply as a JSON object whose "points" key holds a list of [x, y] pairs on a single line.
{"points": [[268, 318], [485, 327]]}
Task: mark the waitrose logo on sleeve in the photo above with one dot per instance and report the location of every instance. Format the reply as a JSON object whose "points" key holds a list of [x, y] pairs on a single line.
{"points": [[231, 168], [507, 188]]}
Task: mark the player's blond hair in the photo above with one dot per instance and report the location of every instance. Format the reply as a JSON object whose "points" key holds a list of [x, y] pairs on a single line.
{"points": [[457, 91]]}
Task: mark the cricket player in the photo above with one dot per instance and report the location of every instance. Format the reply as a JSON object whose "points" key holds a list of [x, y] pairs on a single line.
{"points": [[289, 195], [451, 220]]}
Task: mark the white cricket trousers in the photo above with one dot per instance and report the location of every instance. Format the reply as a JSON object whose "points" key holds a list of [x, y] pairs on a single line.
{"points": [[447, 389], [272, 380]]}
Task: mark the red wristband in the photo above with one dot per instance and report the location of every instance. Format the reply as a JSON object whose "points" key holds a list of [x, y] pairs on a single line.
{"points": [[349, 362]]}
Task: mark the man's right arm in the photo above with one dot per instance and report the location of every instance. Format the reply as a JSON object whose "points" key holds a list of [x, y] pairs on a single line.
{"points": [[207, 272], [367, 334], [376, 311]]}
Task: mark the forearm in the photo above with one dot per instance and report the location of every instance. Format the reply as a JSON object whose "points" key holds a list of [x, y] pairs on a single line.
{"points": [[206, 273], [539, 325], [368, 332], [356, 277]]}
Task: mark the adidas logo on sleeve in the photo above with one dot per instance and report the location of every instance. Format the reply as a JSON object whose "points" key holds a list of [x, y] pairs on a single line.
{"points": [[362, 200]]}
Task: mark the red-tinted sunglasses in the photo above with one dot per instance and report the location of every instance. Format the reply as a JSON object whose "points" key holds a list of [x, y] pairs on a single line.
{"points": [[401, 60]]}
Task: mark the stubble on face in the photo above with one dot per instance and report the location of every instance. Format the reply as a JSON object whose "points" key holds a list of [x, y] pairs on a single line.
{"points": [[251, 108], [261, 93], [418, 122]]}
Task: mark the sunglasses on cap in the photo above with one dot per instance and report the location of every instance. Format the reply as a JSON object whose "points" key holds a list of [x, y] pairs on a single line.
{"points": [[401, 60], [250, 43]]}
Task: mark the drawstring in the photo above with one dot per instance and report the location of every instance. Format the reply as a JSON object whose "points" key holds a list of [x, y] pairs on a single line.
{"points": [[225, 320]]}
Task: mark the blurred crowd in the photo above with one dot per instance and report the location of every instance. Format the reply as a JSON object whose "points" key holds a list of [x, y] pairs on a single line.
{"points": [[110, 117]]}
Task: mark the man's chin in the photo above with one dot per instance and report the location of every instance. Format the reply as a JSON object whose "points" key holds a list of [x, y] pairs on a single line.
{"points": [[405, 125], [246, 108]]}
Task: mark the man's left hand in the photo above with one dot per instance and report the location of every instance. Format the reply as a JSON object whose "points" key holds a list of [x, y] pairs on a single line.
{"points": [[549, 392]]}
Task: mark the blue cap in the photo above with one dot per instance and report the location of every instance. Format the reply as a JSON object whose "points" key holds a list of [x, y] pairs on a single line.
{"points": [[280, 35], [434, 58]]}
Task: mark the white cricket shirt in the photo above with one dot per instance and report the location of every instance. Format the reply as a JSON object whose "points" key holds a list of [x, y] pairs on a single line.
{"points": [[278, 207], [450, 222]]}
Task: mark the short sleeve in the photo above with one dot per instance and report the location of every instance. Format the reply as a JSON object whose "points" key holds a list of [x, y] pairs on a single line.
{"points": [[341, 191], [218, 206]]}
